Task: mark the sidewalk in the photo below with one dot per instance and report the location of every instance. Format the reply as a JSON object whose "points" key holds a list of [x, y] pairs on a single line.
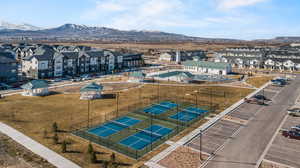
{"points": [[47, 154]]}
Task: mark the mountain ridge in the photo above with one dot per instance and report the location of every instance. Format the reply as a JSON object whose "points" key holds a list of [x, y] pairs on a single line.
{"points": [[82, 32]]}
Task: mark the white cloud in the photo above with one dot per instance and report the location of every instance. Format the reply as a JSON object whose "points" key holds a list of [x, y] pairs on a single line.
{"points": [[154, 15], [231, 4], [128, 14]]}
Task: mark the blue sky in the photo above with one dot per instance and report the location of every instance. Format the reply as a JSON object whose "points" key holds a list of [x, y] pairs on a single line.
{"points": [[243, 19]]}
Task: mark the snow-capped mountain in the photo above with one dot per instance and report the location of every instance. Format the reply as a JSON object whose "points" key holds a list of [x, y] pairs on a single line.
{"points": [[24, 26]]}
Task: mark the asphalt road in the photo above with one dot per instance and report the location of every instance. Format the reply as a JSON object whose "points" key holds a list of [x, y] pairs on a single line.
{"points": [[247, 147]]}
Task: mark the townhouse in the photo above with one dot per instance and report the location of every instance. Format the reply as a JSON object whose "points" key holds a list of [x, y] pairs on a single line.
{"points": [[49, 63], [283, 58], [8, 68], [179, 56]]}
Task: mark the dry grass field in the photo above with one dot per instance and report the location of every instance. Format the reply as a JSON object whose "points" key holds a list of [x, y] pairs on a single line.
{"points": [[34, 116], [160, 46], [259, 81]]}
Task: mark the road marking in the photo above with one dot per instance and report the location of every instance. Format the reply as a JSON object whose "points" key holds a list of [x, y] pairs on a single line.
{"points": [[270, 143]]}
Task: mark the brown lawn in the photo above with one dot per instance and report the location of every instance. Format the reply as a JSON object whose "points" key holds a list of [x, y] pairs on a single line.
{"points": [[259, 81]]}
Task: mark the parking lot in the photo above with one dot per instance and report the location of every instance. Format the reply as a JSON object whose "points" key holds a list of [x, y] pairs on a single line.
{"points": [[224, 130], [215, 136], [246, 110], [284, 150]]}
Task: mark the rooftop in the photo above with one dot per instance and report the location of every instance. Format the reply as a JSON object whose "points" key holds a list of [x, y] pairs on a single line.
{"points": [[92, 87], [35, 84], [207, 64]]}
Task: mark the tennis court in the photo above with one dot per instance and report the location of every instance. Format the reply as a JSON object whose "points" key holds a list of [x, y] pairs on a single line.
{"points": [[145, 137], [113, 126], [188, 114], [160, 108]]}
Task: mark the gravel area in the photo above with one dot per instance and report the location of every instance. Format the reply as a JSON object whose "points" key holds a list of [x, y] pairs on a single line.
{"points": [[14, 155], [182, 157]]}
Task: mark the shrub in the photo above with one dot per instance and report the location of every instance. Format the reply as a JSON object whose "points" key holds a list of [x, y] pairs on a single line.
{"points": [[93, 157], [64, 147], [90, 148], [54, 127]]}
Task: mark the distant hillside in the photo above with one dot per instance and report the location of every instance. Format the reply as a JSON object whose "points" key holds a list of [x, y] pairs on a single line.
{"points": [[81, 32]]}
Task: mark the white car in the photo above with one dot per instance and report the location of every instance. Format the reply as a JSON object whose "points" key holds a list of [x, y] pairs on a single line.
{"points": [[295, 112]]}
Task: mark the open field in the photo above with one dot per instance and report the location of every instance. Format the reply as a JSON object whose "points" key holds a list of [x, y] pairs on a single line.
{"points": [[35, 115], [146, 46], [258, 81]]}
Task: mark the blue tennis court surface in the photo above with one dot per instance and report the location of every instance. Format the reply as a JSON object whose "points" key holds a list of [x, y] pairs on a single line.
{"points": [[114, 126], [160, 108], [188, 114], [145, 137]]}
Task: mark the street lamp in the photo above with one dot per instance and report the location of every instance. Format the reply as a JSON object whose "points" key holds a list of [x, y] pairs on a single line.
{"points": [[88, 114], [118, 104], [200, 143]]}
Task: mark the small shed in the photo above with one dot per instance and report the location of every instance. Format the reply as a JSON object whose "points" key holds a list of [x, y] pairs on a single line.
{"points": [[35, 88], [136, 76], [91, 91]]}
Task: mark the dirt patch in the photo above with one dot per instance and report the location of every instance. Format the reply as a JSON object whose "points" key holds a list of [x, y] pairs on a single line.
{"points": [[265, 164], [183, 157], [14, 155]]}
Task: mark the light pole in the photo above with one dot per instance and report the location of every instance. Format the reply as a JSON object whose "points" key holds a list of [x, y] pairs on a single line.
{"points": [[118, 103], [210, 99], [88, 114], [196, 94], [158, 91], [200, 143]]}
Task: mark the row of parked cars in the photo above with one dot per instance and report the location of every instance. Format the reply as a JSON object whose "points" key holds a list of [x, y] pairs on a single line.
{"points": [[73, 79], [281, 81], [293, 133]]}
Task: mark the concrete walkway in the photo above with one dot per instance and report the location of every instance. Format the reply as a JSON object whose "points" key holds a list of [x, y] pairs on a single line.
{"points": [[47, 154]]}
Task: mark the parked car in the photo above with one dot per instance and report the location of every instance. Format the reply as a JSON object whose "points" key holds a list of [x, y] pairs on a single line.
{"points": [[291, 134], [76, 79], [296, 128], [295, 112], [261, 97], [254, 101], [278, 83], [4, 86], [86, 77]]}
